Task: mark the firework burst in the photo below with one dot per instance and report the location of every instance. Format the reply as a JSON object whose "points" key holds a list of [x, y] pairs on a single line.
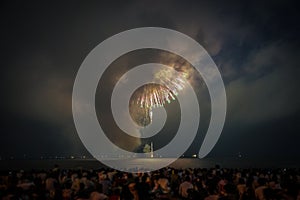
{"points": [[157, 95], [150, 96]]}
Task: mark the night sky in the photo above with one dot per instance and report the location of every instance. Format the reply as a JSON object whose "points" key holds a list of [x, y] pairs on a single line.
{"points": [[255, 45]]}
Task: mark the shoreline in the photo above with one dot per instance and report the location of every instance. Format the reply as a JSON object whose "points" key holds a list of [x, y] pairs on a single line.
{"points": [[179, 163]]}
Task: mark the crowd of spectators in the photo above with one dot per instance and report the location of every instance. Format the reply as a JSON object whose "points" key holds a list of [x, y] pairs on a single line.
{"points": [[167, 183]]}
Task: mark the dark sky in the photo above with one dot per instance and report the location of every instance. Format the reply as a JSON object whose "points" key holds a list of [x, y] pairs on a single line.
{"points": [[255, 45]]}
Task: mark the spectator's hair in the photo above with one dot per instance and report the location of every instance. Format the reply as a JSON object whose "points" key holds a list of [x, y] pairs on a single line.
{"points": [[187, 178], [241, 181], [261, 181]]}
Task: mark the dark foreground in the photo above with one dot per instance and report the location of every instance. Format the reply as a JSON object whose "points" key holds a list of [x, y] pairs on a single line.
{"points": [[185, 179]]}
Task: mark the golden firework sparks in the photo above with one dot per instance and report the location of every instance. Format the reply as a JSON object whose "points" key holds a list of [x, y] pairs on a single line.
{"points": [[170, 83]]}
